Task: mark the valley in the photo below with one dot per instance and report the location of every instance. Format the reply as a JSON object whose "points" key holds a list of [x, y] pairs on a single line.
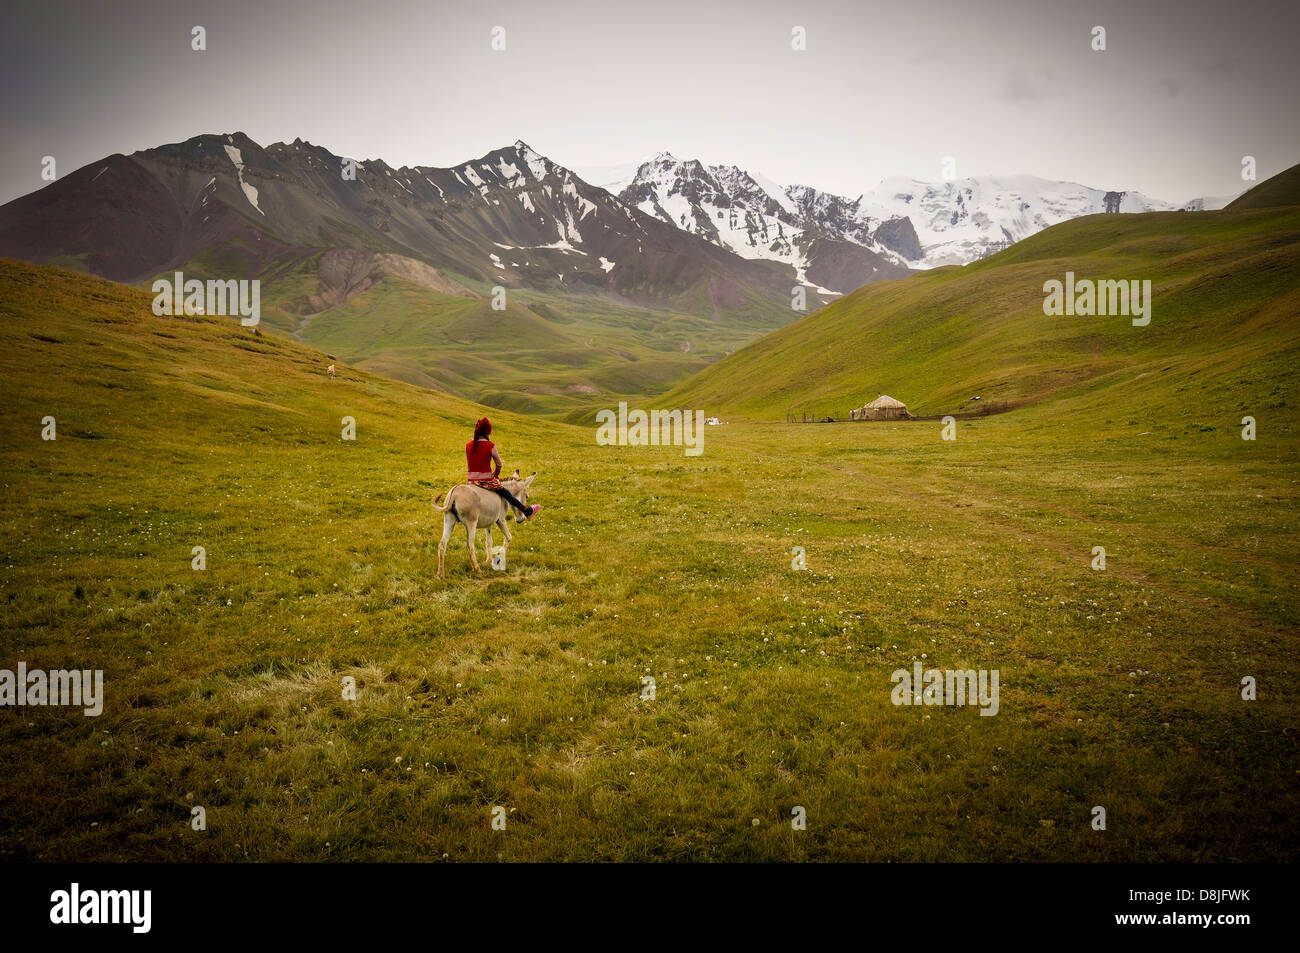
{"points": [[323, 696], [606, 296]]}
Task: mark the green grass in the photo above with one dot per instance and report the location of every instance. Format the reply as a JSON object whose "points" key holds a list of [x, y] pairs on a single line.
{"points": [[520, 689]]}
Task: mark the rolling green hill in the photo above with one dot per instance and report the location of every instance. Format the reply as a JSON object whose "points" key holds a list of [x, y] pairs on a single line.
{"points": [[1223, 334], [1279, 191]]}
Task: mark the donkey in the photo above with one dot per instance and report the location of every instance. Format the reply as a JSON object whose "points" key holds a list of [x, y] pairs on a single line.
{"points": [[475, 506]]}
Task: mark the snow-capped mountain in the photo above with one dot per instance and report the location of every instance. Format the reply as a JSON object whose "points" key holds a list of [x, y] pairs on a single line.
{"points": [[901, 224], [1208, 203], [967, 219], [512, 217], [679, 232], [755, 218]]}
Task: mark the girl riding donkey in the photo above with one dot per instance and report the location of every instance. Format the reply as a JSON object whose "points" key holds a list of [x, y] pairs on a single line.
{"points": [[483, 500], [479, 453]]}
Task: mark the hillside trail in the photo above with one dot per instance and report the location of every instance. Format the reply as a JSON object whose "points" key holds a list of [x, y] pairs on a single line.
{"points": [[304, 324]]}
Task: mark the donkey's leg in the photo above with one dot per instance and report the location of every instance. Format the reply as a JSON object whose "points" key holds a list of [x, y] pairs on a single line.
{"points": [[448, 524], [504, 532], [471, 528]]}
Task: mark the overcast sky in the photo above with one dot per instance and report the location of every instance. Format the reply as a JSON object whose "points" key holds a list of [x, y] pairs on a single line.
{"points": [[1184, 89]]}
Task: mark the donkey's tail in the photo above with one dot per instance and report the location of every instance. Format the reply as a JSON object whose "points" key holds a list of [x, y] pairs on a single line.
{"points": [[450, 503]]}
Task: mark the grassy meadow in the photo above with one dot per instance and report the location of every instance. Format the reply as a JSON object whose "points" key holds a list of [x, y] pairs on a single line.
{"points": [[521, 689]]}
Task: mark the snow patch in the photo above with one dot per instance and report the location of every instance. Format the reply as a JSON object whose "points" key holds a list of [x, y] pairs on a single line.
{"points": [[511, 175], [536, 164], [777, 192], [562, 245], [249, 192], [585, 206]]}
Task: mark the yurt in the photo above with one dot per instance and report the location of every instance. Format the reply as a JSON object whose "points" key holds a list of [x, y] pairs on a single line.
{"points": [[883, 407]]}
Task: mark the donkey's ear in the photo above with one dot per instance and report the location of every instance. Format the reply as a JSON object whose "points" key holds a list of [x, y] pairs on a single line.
{"points": [[531, 477], [515, 475]]}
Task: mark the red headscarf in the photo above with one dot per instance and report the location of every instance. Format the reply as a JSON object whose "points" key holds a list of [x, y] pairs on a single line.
{"points": [[482, 428]]}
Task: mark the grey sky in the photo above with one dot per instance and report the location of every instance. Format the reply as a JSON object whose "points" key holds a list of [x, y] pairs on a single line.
{"points": [[1184, 90]]}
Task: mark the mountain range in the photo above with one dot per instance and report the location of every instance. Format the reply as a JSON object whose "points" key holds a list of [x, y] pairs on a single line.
{"points": [[512, 218], [397, 269], [515, 218], [841, 243]]}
